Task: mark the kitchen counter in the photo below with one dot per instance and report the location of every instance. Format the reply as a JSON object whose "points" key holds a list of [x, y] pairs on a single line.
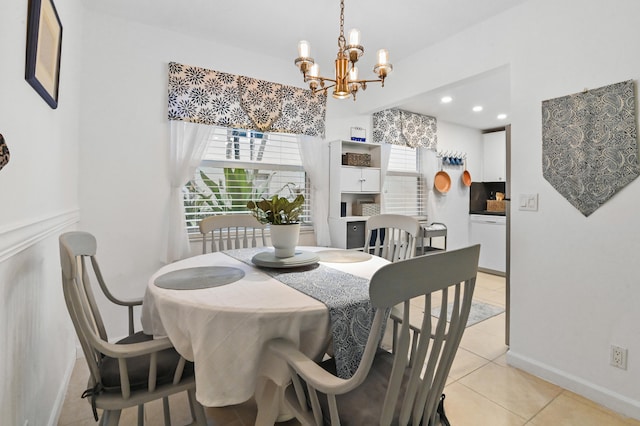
{"points": [[488, 213]]}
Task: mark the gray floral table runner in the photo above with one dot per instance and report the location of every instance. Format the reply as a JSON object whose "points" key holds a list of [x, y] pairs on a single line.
{"points": [[345, 295]]}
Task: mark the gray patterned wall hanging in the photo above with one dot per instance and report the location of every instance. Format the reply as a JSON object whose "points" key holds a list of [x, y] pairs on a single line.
{"points": [[400, 127], [205, 96], [589, 144], [4, 152]]}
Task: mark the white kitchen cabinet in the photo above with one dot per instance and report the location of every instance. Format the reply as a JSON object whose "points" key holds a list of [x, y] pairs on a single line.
{"points": [[347, 186], [359, 179], [491, 233], [494, 157]]}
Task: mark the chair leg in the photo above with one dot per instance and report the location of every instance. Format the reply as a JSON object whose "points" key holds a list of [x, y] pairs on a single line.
{"points": [[167, 413], [111, 418], [141, 415], [395, 334], [192, 402], [197, 410]]}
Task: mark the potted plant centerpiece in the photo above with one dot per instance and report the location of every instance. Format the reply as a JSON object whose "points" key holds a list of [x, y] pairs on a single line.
{"points": [[283, 217]]}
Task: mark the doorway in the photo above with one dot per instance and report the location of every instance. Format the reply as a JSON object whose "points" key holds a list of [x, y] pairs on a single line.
{"points": [[508, 243]]}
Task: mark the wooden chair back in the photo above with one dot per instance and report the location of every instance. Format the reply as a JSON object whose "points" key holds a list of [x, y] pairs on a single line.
{"points": [[392, 236], [232, 231]]}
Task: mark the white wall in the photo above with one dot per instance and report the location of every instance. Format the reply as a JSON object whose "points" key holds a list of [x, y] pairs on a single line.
{"points": [[452, 208], [574, 280], [580, 295], [38, 200]]}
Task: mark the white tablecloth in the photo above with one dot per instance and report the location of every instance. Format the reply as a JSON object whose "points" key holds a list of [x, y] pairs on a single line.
{"points": [[224, 329]]}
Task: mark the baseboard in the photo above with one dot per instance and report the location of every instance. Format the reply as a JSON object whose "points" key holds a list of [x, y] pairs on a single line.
{"points": [[492, 272], [62, 391], [603, 396]]}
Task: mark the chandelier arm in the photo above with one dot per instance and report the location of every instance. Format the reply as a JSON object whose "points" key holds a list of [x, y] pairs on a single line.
{"points": [[323, 89], [325, 79], [379, 80]]}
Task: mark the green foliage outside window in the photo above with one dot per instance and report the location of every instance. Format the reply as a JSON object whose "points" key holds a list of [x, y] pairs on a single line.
{"points": [[205, 196]]}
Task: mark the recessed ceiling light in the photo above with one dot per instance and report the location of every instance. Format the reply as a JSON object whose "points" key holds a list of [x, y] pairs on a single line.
{"points": [[446, 99], [477, 108], [502, 116]]}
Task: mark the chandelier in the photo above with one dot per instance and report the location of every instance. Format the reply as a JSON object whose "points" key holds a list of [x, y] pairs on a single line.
{"points": [[346, 82]]}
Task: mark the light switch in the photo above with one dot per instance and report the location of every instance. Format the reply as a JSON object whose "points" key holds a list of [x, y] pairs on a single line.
{"points": [[523, 202], [528, 202]]}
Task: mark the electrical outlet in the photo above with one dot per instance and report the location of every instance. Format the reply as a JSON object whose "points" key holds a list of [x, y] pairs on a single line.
{"points": [[619, 357]]}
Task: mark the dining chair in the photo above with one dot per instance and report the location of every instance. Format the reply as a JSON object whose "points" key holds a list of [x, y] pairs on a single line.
{"points": [[404, 386], [232, 231], [392, 236], [132, 371], [130, 304]]}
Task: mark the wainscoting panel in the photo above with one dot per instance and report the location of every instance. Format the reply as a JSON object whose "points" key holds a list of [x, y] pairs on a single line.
{"points": [[38, 349]]}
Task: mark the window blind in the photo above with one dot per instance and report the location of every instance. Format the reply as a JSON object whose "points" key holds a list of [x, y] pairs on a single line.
{"points": [[243, 165], [404, 184]]}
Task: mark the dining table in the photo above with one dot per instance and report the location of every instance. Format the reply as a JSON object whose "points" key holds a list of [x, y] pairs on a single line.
{"points": [[221, 309]]}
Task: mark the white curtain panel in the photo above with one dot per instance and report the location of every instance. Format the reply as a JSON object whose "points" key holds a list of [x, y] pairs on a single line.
{"points": [[187, 145], [385, 155], [429, 167], [315, 160]]}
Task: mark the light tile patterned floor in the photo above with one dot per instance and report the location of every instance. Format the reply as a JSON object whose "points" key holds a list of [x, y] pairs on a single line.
{"points": [[482, 389]]}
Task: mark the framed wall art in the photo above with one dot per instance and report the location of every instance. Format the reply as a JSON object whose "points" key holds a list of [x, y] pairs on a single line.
{"points": [[44, 48]]}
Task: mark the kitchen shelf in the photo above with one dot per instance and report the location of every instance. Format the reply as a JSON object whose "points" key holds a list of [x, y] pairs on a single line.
{"points": [[349, 185]]}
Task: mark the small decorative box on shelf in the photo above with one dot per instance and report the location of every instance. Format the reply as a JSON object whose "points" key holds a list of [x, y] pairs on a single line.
{"points": [[495, 205], [358, 134], [356, 159], [367, 207]]}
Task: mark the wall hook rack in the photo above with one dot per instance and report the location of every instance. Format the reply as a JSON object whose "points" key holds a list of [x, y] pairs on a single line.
{"points": [[452, 158]]}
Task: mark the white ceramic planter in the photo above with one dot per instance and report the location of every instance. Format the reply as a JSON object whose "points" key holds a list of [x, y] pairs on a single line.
{"points": [[284, 239]]}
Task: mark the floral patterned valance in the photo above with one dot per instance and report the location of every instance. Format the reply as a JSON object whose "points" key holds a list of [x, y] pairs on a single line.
{"points": [[205, 96], [400, 127]]}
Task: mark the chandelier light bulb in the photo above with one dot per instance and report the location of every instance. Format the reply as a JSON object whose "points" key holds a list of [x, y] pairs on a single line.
{"points": [[314, 71], [304, 49], [354, 37], [383, 57], [353, 74]]}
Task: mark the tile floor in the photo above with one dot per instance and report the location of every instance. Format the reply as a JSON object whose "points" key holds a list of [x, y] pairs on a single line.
{"points": [[482, 389]]}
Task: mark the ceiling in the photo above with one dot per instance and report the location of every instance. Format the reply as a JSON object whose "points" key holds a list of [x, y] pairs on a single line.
{"points": [[489, 90], [274, 27]]}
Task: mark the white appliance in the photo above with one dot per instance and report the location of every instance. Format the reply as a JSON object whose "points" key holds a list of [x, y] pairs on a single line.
{"points": [[490, 231]]}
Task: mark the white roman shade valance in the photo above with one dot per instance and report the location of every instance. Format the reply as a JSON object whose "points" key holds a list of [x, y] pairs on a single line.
{"points": [[199, 95], [406, 128]]}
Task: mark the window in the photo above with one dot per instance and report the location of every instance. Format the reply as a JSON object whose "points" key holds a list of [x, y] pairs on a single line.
{"points": [[243, 165], [404, 183]]}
